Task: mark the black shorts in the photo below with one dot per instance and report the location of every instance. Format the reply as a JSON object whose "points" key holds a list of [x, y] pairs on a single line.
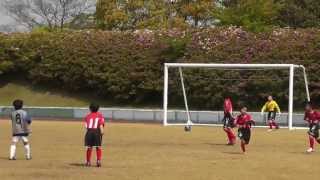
{"points": [[244, 134], [228, 121], [93, 138], [314, 130], [272, 115]]}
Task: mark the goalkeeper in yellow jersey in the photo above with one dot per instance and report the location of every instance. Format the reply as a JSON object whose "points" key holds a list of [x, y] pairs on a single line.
{"points": [[272, 108]]}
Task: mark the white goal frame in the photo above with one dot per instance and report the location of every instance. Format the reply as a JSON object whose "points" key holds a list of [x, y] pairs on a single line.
{"points": [[180, 66]]}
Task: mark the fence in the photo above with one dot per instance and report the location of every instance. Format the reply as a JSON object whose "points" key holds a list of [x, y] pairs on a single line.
{"points": [[145, 115]]}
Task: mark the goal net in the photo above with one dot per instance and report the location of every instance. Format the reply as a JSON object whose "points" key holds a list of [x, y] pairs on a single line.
{"points": [[178, 79]]}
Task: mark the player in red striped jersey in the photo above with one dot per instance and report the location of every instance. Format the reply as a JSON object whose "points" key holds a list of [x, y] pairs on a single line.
{"points": [[228, 121], [94, 123], [244, 122], [313, 119]]}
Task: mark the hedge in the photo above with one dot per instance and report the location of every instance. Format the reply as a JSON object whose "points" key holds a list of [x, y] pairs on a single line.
{"points": [[127, 67]]}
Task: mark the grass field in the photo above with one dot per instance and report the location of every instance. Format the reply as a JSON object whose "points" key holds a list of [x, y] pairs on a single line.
{"points": [[45, 96], [150, 151], [40, 96]]}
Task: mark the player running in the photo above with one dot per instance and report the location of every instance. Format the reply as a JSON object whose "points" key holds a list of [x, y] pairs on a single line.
{"points": [[272, 107], [94, 123], [228, 121], [313, 119], [20, 129], [244, 122]]}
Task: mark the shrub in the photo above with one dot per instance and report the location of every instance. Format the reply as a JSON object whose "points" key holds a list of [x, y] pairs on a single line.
{"points": [[128, 66]]}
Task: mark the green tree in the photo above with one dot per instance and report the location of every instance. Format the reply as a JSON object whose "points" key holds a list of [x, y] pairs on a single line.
{"points": [[254, 15], [198, 12], [300, 13], [153, 14], [110, 14]]}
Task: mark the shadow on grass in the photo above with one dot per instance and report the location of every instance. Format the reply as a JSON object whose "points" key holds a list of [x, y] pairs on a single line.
{"points": [[4, 158], [217, 144], [18, 159], [77, 164], [300, 152], [233, 153]]}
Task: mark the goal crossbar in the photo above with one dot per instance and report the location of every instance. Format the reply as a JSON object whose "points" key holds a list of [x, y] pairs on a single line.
{"points": [[242, 66], [290, 67]]}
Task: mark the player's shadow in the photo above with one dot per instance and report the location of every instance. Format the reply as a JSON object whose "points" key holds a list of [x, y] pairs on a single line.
{"points": [[217, 144], [77, 164], [233, 153], [300, 153], [4, 158]]}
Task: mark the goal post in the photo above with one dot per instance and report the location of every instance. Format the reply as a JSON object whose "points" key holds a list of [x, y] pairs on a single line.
{"points": [[180, 66]]}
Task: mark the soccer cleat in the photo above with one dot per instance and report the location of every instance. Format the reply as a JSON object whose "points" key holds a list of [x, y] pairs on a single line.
{"points": [[12, 159], [310, 133], [28, 158], [98, 163], [310, 150], [187, 128], [88, 164]]}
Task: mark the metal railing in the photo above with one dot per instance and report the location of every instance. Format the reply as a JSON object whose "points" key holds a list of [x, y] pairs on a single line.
{"points": [[145, 115]]}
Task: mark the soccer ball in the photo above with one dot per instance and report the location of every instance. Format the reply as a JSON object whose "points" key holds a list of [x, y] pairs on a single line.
{"points": [[187, 128]]}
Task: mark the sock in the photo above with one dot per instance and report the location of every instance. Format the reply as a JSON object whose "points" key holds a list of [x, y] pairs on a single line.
{"points": [[27, 151], [12, 151], [275, 124], [243, 147], [89, 152], [228, 134], [232, 136], [99, 153], [270, 124], [311, 141]]}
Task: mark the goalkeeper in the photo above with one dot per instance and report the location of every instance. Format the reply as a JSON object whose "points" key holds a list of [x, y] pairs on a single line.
{"points": [[272, 108]]}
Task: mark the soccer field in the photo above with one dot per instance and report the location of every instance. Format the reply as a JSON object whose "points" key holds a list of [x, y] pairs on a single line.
{"points": [[150, 151]]}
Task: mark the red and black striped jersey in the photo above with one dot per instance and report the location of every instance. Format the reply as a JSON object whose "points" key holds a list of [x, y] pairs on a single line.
{"points": [[94, 120], [244, 120], [312, 116]]}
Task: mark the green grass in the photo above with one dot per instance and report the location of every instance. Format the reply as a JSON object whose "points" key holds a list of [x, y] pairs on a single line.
{"points": [[39, 96], [35, 95]]}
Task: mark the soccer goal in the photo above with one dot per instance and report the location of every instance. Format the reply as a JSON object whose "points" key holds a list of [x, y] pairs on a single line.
{"points": [[188, 115]]}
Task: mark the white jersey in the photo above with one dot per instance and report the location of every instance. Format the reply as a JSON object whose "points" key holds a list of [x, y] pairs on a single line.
{"points": [[20, 123]]}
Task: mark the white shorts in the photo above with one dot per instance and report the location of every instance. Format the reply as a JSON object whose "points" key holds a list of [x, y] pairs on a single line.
{"points": [[16, 139]]}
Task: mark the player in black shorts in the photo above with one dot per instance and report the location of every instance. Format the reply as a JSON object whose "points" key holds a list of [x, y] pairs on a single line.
{"points": [[313, 119], [94, 123], [244, 122], [228, 121]]}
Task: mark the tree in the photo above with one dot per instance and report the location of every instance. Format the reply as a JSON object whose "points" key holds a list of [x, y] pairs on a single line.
{"points": [[254, 15], [153, 14], [196, 12], [51, 13], [110, 14], [300, 13]]}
